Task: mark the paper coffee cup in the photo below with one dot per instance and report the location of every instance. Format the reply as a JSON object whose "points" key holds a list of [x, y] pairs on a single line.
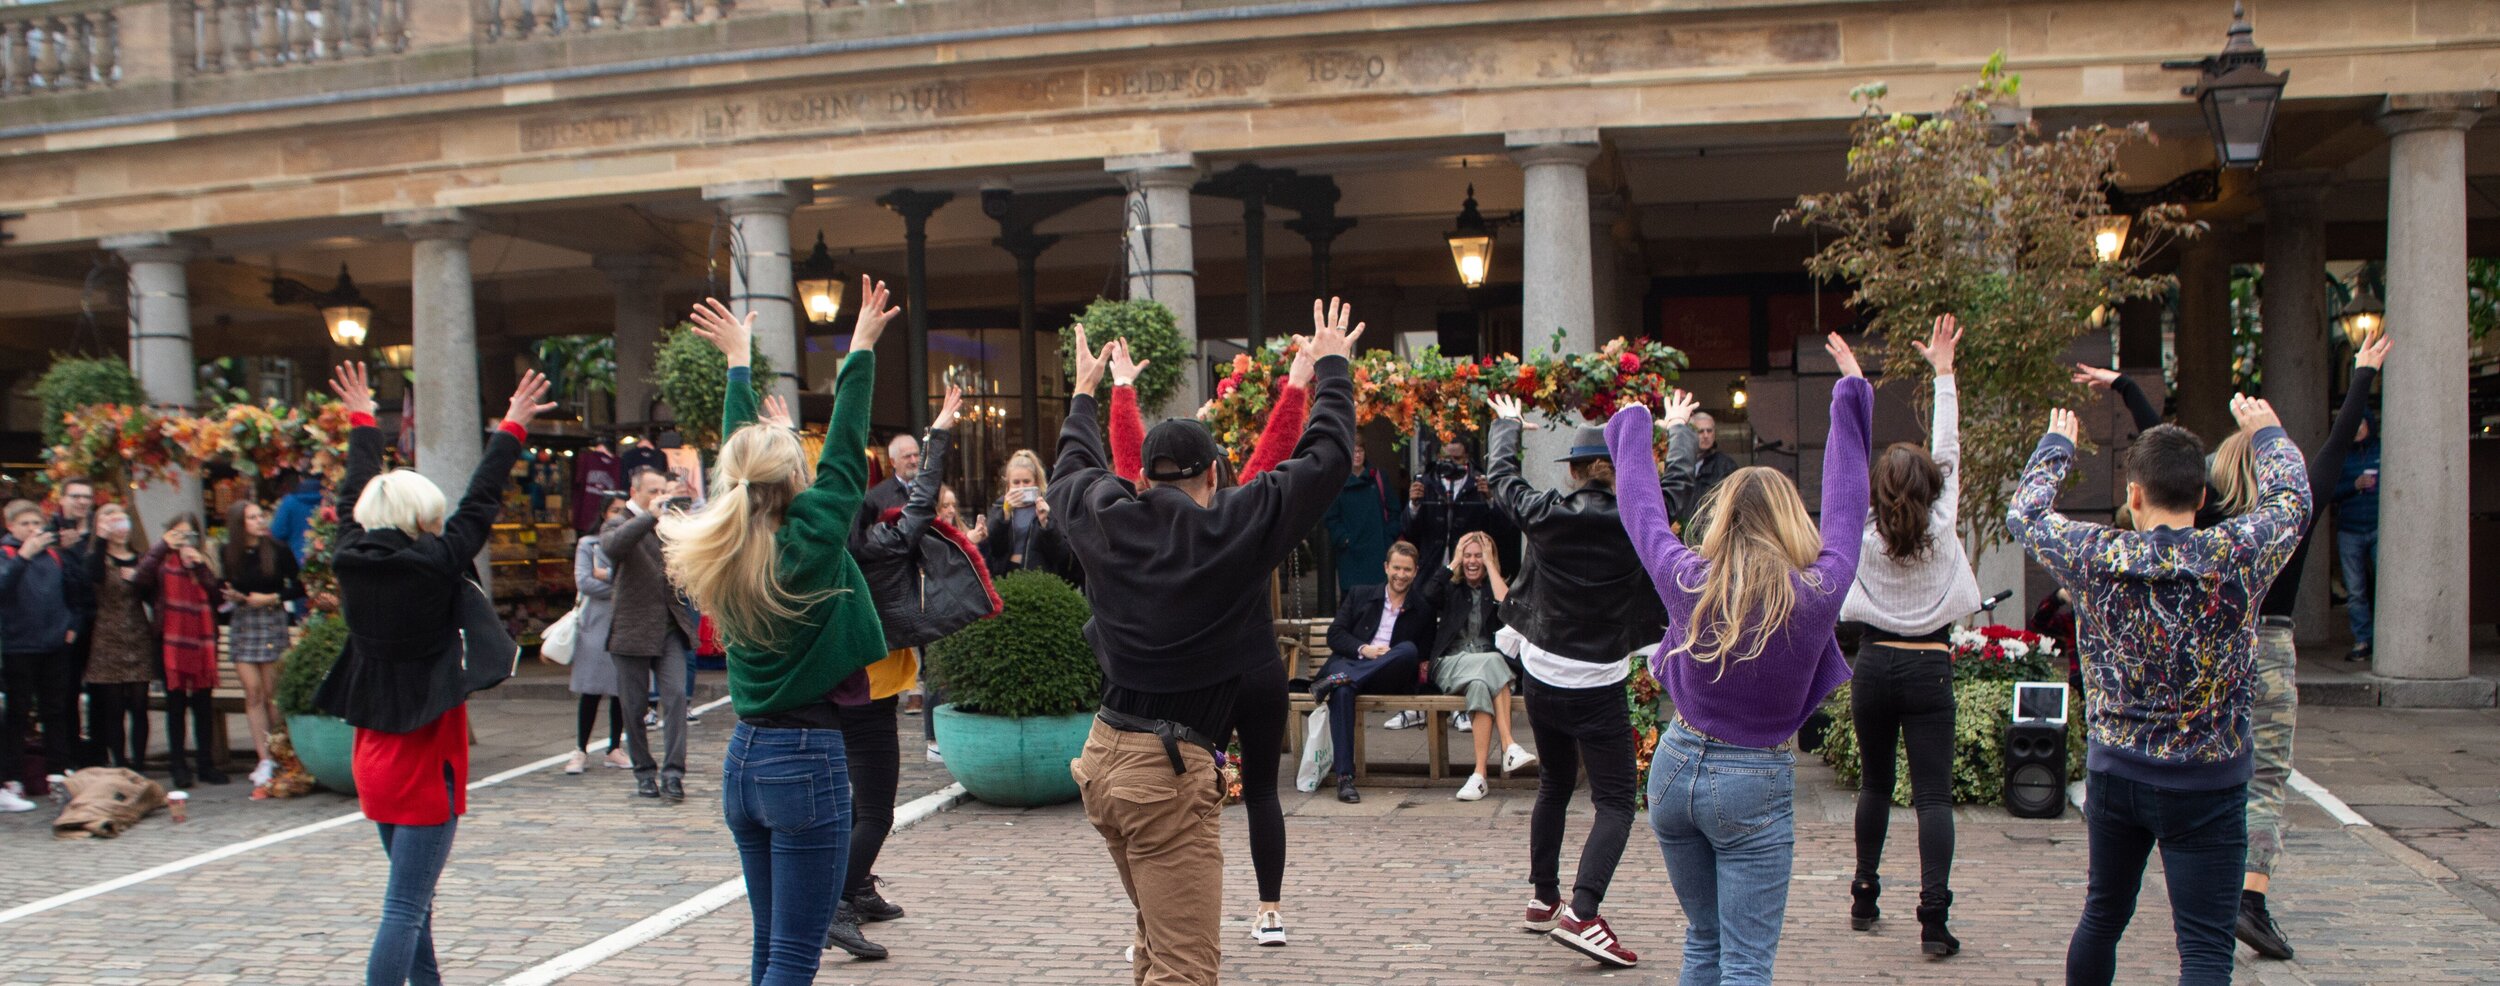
{"points": [[179, 803]]}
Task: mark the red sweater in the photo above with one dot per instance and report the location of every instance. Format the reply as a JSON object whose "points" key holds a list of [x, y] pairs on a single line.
{"points": [[399, 776], [1276, 439]]}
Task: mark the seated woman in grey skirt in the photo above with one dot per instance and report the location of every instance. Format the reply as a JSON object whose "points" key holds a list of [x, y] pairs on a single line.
{"points": [[1467, 594]]}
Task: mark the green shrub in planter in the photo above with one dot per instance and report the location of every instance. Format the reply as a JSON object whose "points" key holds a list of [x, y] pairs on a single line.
{"points": [[76, 382], [1982, 710], [1152, 333], [693, 377], [1030, 660], [308, 662]]}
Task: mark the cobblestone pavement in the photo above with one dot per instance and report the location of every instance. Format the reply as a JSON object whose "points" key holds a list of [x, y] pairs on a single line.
{"points": [[1408, 886], [2430, 778]]}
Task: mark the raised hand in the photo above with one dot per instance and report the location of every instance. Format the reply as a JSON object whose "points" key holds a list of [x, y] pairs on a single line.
{"points": [[873, 314], [1504, 406], [2062, 423], [354, 388], [1124, 368], [1303, 364], [1329, 336], [2253, 413], [777, 413], [980, 529], [1939, 345], [733, 336], [526, 400], [2374, 355], [1090, 362], [947, 411], [1842, 354], [2095, 377], [1679, 409]]}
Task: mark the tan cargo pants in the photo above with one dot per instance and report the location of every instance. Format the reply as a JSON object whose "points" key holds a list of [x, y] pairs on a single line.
{"points": [[1162, 831]]}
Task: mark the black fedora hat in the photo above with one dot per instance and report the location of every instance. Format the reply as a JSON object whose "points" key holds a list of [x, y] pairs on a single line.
{"points": [[1587, 442]]}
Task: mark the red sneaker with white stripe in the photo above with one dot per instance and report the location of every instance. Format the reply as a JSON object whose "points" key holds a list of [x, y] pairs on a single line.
{"points": [[1541, 916], [1594, 939]]}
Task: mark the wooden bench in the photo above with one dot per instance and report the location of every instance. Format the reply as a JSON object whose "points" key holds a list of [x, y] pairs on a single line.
{"points": [[226, 698], [1303, 645]]}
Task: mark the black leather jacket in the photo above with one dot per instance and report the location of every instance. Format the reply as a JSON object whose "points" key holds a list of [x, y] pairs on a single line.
{"points": [[925, 577], [1581, 591]]}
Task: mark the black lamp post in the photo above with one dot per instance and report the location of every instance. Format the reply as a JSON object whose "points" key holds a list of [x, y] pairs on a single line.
{"points": [[2238, 95]]}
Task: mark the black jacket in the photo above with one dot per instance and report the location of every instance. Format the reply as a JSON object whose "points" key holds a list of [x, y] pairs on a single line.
{"points": [[43, 599], [1581, 592], [1358, 621], [1179, 591], [1043, 549], [1436, 522], [401, 595], [1449, 609], [1708, 472], [925, 577]]}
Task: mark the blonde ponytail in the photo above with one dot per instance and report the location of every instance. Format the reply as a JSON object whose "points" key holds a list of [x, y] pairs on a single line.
{"points": [[725, 555]]}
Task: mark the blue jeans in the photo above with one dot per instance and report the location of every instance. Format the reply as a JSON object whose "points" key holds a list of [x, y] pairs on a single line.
{"points": [[2359, 553], [403, 947], [787, 796], [1724, 818], [2203, 836]]}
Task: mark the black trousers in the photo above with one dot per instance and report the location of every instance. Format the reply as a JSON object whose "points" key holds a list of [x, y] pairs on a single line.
{"points": [[1576, 728], [872, 745], [118, 724], [41, 687], [1261, 714], [1902, 696]]}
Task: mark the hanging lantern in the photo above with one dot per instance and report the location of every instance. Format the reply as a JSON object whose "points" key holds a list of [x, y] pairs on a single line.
{"points": [[2362, 317], [2237, 95], [344, 310], [1471, 244], [2109, 236], [819, 282]]}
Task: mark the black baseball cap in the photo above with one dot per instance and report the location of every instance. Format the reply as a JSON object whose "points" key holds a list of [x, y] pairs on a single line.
{"points": [[1179, 448]]}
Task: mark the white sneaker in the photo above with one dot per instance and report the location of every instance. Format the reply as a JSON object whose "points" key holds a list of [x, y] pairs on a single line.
{"points": [[651, 718], [1269, 930], [579, 761], [10, 801], [1408, 719], [1465, 721], [262, 773], [617, 759], [1475, 788], [934, 755], [1516, 757]]}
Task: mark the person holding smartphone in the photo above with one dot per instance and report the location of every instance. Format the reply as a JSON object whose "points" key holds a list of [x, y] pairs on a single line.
{"points": [[1020, 535]]}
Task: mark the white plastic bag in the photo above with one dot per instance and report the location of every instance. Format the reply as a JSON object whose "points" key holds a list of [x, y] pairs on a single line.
{"points": [[1318, 756]]}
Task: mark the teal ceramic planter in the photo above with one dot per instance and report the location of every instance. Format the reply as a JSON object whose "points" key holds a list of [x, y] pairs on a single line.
{"points": [[1019, 763], [327, 746]]}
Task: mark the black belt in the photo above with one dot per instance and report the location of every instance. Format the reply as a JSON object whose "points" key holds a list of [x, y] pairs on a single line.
{"points": [[1172, 734], [2275, 621]]}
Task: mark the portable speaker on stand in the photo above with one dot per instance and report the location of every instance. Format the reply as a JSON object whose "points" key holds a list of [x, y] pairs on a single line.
{"points": [[2035, 751]]}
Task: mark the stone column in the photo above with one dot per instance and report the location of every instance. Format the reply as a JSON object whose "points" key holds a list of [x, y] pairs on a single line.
{"points": [[635, 280], [1557, 281], [160, 349], [2204, 339], [2421, 602], [759, 273], [451, 421], [2297, 349], [1162, 258]]}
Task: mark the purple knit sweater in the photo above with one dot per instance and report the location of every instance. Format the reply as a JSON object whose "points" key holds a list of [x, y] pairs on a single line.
{"points": [[1758, 702]]}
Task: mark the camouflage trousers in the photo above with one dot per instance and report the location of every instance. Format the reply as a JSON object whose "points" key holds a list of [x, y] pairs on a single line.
{"points": [[2274, 707]]}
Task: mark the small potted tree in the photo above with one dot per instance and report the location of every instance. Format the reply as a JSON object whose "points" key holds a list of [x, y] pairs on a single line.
{"points": [[325, 743], [1021, 690]]}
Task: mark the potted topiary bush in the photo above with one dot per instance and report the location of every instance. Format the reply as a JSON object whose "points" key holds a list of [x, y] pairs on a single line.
{"points": [[1021, 688], [325, 743], [693, 377], [1154, 338]]}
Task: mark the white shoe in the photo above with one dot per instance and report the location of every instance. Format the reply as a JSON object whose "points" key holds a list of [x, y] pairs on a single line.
{"points": [[262, 773], [2074, 793], [1465, 721], [651, 718], [934, 755], [1408, 719], [1269, 929], [1516, 757], [1475, 788], [10, 801], [617, 759], [578, 761]]}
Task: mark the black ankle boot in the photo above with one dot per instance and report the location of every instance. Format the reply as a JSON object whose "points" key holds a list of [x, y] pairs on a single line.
{"points": [[1862, 910], [1933, 938]]}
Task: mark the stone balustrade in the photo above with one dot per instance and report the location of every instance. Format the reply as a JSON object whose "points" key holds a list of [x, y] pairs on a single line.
{"points": [[509, 21], [59, 47], [213, 36]]}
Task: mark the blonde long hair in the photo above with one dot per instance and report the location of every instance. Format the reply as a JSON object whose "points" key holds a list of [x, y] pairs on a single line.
{"points": [[1028, 459], [725, 555], [2234, 474], [1762, 535]]}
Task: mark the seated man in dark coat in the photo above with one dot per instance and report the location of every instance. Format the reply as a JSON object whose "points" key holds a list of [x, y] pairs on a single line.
{"points": [[1377, 647]]}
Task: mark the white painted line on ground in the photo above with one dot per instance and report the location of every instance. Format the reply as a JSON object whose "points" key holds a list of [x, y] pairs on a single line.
{"points": [[2326, 799], [687, 911], [32, 908]]}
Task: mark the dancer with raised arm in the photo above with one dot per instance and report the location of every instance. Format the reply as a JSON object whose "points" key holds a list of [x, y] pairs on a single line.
{"points": [[1175, 572], [767, 557], [406, 571], [1748, 656]]}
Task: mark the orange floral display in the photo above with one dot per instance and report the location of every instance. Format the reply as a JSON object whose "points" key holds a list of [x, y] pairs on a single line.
{"points": [[144, 445]]}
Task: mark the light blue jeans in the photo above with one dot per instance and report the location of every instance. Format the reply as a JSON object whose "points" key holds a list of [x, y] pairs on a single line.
{"points": [[403, 944], [1725, 820]]}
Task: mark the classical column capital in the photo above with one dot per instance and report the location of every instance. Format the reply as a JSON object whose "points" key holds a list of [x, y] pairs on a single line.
{"points": [[1530, 148], [434, 224], [2409, 112], [912, 205], [166, 248], [629, 267], [2298, 191], [740, 198], [1142, 171]]}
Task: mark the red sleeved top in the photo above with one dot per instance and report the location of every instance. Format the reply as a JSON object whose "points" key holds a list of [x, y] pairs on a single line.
{"points": [[1276, 440]]}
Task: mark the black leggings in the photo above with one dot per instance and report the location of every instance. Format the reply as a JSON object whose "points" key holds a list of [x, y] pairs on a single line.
{"points": [[201, 705], [589, 716], [1260, 718], [872, 748], [1904, 696], [109, 708]]}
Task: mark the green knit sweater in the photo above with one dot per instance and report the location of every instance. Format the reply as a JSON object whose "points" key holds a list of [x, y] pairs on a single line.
{"points": [[840, 633]]}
